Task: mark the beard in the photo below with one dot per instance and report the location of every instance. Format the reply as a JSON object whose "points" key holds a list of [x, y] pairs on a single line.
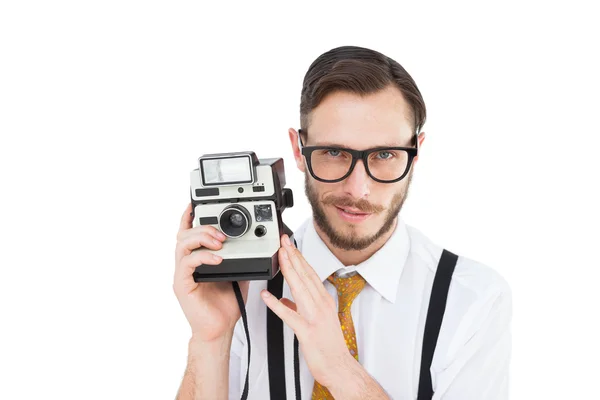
{"points": [[352, 241]]}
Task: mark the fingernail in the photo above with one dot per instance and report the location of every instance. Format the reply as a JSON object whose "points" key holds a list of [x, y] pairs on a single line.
{"points": [[217, 243], [286, 239], [216, 257], [265, 294], [221, 236]]}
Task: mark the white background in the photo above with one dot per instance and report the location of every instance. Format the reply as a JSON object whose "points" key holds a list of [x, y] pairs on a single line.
{"points": [[106, 106]]}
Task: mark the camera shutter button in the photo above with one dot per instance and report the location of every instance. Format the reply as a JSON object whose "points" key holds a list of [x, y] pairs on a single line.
{"points": [[260, 231]]}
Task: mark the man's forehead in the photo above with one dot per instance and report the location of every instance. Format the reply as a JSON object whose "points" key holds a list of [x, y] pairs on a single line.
{"points": [[357, 139], [348, 118]]}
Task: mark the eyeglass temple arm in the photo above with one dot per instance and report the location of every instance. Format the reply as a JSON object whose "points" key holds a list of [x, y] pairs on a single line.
{"points": [[417, 141], [300, 144]]}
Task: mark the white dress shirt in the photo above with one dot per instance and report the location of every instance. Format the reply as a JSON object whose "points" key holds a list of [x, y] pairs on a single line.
{"points": [[472, 355]]}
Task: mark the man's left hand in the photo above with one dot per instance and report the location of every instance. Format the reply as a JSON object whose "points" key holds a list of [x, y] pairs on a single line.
{"points": [[313, 316]]}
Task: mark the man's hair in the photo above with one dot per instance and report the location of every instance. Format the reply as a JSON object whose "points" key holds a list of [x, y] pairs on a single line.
{"points": [[357, 70]]}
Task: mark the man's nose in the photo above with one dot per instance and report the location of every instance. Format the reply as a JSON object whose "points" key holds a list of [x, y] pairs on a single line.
{"points": [[357, 184]]}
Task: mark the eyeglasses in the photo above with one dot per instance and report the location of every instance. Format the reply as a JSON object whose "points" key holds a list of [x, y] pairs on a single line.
{"points": [[334, 164]]}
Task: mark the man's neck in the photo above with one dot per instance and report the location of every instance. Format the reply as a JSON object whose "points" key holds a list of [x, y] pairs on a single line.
{"points": [[355, 257]]}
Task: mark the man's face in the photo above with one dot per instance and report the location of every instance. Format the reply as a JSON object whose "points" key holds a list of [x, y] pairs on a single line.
{"points": [[347, 120]]}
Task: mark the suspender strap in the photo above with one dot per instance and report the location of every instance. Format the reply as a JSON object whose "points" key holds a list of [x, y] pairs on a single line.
{"points": [[435, 314], [275, 345], [240, 300], [297, 369], [275, 348]]}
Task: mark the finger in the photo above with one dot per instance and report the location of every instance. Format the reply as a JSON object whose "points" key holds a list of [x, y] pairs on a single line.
{"points": [[211, 230], [193, 242], [303, 270], [307, 272], [186, 218], [184, 279], [299, 289], [287, 315]]}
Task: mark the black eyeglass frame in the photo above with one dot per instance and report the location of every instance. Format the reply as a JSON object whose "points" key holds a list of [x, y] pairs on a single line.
{"points": [[358, 155]]}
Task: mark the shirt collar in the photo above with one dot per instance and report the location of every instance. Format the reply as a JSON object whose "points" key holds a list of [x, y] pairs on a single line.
{"points": [[382, 270]]}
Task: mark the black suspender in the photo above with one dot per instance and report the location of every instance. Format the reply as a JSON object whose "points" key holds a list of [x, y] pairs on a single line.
{"points": [[435, 314], [275, 347]]}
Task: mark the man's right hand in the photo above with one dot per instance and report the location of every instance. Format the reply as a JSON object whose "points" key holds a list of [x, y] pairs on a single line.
{"points": [[211, 308]]}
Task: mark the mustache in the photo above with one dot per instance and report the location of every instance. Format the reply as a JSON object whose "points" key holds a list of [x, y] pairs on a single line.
{"points": [[362, 204]]}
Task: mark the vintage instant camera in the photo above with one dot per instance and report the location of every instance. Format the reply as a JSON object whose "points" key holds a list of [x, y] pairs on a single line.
{"points": [[243, 197]]}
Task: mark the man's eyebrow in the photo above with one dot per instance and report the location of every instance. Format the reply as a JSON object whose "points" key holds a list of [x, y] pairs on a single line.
{"points": [[384, 144], [328, 144], [393, 144]]}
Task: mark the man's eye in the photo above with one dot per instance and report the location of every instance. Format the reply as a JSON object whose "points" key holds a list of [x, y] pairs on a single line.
{"points": [[333, 153], [384, 155]]}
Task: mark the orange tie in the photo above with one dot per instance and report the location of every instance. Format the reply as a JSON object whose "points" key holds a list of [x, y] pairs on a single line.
{"points": [[347, 289]]}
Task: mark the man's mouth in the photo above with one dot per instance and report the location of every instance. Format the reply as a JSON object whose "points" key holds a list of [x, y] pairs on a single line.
{"points": [[352, 215], [352, 211]]}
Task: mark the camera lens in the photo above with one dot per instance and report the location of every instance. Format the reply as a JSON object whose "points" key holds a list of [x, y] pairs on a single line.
{"points": [[234, 221], [260, 231]]}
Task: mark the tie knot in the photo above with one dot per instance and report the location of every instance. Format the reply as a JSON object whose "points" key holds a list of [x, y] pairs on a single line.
{"points": [[347, 289]]}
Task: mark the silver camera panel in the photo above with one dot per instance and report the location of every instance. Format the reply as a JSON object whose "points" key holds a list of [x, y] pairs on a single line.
{"points": [[248, 245]]}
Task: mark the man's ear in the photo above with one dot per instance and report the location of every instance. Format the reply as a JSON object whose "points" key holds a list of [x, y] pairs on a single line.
{"points": [[421, 139], [296, 149]]}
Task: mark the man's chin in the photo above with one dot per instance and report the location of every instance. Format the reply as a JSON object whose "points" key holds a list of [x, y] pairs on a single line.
{"points": [[348, 237]]}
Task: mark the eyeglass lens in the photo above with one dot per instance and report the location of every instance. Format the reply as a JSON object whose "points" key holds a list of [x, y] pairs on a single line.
{"points": [[386, 165]]}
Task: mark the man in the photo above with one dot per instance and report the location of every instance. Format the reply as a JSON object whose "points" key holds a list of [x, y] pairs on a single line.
{"points": [[358, 286]]}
